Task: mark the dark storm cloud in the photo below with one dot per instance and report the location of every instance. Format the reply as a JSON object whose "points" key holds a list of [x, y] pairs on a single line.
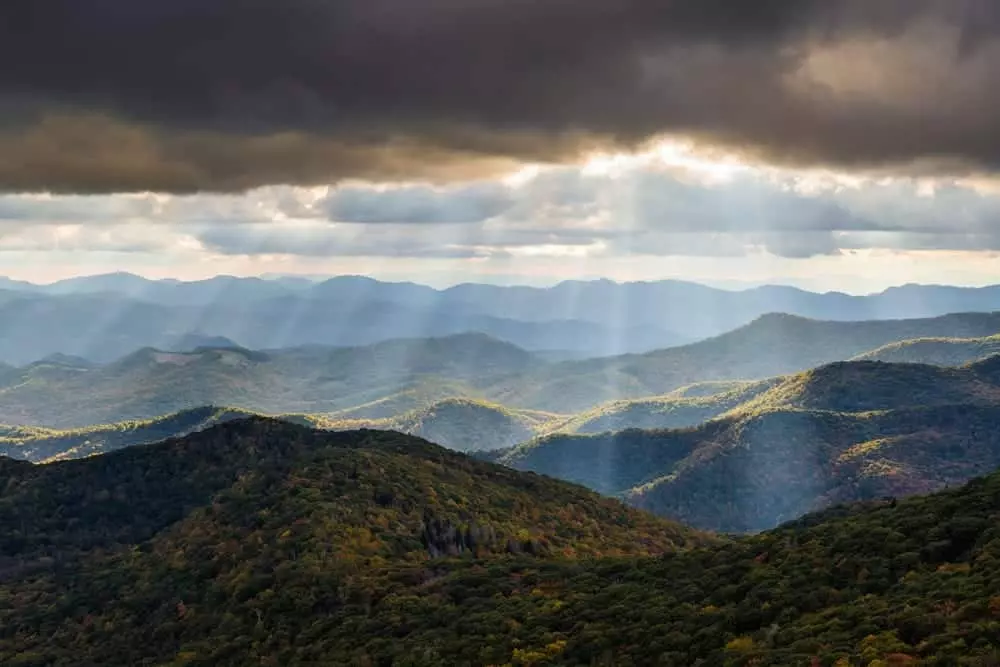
{"points": [[184, 95]]}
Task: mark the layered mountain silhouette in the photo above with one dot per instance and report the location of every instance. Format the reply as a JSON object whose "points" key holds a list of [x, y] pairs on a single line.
{"points": [[106, 317], [388, 379], [760, 453]]}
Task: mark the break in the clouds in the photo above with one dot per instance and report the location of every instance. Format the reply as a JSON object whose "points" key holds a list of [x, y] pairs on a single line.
{"points": [[641, 208], [188, 95]]}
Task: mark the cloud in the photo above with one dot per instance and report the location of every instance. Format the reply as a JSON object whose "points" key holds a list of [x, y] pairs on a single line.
{"points": [[87, 239], [319, 240], [186, 96], [643, 208], [474, 202]]}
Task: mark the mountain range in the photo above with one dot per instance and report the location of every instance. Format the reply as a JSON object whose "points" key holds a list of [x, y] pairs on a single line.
{"points": [[749, 456], [843, 432], [262, 542], [386, 380], [102, 318]]}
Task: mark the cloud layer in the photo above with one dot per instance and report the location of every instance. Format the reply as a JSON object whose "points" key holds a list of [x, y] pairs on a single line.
{"points": [[186, 95], [649, 209]]}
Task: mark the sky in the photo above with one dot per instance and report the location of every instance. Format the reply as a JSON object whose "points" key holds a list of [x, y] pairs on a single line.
{"points": [[830, 144]]}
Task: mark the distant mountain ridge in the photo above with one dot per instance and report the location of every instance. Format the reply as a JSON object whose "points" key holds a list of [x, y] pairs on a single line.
{"points": [[387, 379], [774, 344], [104, 317]]}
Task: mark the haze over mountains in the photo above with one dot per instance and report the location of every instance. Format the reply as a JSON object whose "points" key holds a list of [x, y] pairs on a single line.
{"points": [[105, 317], [775, 418], [388, 379], [747, 456]]}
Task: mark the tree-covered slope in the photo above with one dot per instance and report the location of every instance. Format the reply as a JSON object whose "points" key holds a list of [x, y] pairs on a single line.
{"points": [[939, 351], [461, 424], [842, 432], [257, 542], [683, 408], [772, 345], [44, 445], [776, 466], [228, 520], [859, 386]]}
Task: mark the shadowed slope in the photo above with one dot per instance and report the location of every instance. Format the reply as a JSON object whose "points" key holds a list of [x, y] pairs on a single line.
{"points": [[842, 432], [772, 345]]}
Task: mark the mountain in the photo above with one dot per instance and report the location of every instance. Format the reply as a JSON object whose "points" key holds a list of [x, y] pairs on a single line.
{"points": [[681, 408], [455, 423], [388, 379], [772, 345], [777, 466], [106, 317], [260, 542], [843, 432], [937, 351], [211, 291], [385, 379], [461, 424], [192, 342], [864, 386], [240, 520], [43, 445], [105, 326], [718, 309]]}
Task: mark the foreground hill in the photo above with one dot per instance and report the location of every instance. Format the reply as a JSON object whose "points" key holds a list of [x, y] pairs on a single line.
{"points": [[848, 431], [242, 518], [257, 542]]}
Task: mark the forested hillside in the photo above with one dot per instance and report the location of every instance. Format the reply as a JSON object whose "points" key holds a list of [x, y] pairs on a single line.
{"points": [[938, 351], [772, 345], [262, 542], [461, 424], [847, 431], [44, 445]]}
